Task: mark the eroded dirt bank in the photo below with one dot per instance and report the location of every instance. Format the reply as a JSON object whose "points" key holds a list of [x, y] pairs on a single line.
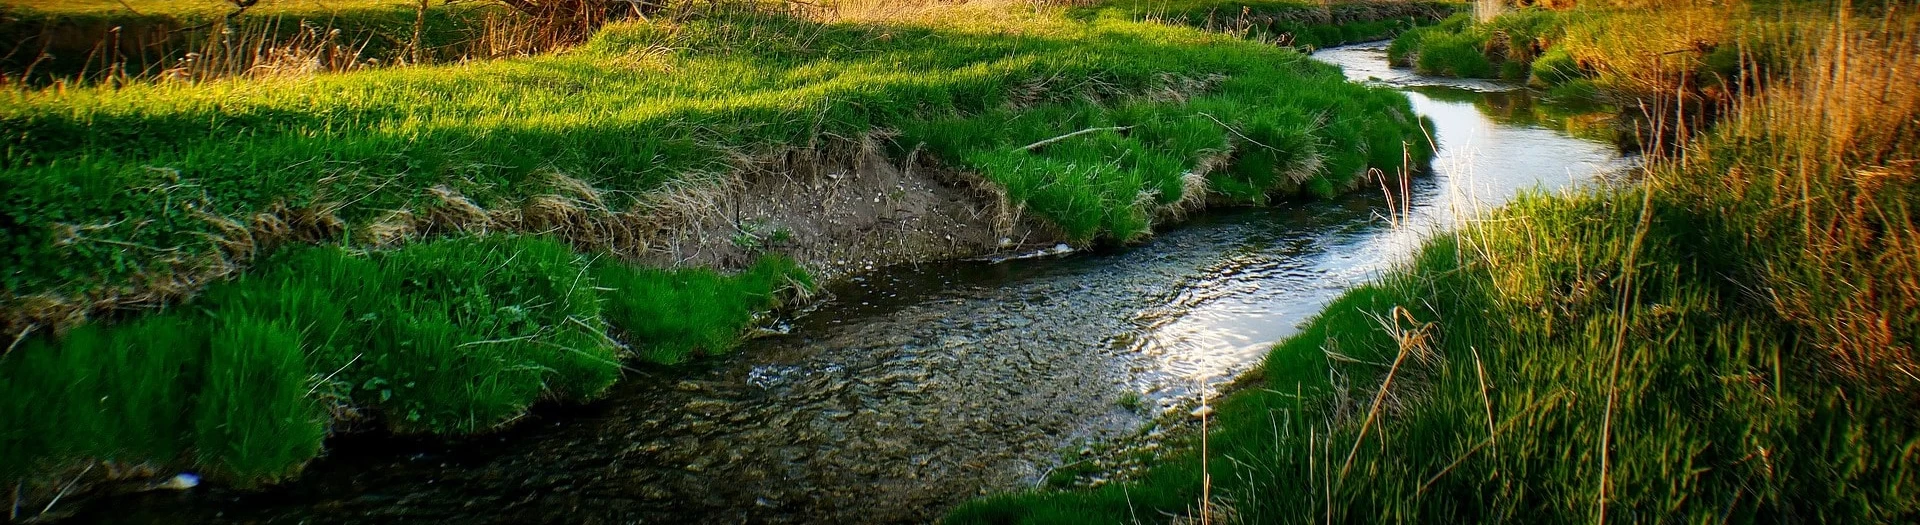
{"points": [[839, 210]]}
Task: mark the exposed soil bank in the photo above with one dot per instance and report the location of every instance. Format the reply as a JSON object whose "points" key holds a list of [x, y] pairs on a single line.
{"points": [[916, 387], [839, 212]]}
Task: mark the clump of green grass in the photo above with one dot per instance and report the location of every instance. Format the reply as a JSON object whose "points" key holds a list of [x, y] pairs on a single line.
{"points": [[1556, 67], [1454, 55], [1505, 47], [227, 394], [679, 314], [234, 433], [1695, 347], [451, 336]]}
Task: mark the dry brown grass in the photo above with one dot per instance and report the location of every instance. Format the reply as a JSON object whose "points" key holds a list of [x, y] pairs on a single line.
{"points": [[1644, 51], [1827, 165]]}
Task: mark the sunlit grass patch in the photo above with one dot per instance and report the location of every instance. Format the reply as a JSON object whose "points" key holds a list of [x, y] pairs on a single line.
{"points": [[1504, 47], [675, 315]]}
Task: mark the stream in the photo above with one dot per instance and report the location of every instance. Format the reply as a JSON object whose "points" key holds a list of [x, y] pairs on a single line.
{"points": [[917, 387]]}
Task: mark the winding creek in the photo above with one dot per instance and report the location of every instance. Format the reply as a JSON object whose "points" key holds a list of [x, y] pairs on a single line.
{"points": [[916, 388]]}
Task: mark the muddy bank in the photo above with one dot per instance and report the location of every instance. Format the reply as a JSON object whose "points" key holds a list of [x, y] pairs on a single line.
{"points": [[838, 210]]}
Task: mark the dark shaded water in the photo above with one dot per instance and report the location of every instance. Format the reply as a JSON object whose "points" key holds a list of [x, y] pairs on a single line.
{"points": [[916, 388]]}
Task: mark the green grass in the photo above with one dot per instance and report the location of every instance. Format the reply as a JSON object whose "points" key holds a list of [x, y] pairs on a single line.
{"points": [[1505, 47], [452, 336], [677, 314], [1724, 341]]}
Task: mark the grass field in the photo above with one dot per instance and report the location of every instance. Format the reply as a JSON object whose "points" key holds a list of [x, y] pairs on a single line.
{"points": [[1731, 339], [255, 206]]}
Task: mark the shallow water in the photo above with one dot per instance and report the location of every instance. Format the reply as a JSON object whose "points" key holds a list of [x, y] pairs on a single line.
{"points": [[916, 388]]}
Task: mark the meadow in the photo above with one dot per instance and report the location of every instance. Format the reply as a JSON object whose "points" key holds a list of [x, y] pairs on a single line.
{"points": [[1731, 337]]}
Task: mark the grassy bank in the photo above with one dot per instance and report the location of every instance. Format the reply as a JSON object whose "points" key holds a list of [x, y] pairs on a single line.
{"points": [[365, 249], [1731, 339]]}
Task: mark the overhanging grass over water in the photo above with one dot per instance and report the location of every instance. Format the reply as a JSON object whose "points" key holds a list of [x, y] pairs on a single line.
{"points": [[1730, 340], [452, 336]]}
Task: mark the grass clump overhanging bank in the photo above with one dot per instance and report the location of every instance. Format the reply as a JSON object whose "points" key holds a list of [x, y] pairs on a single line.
{"points": [[450, 336], [1293, 22], [1731, 340], [1516, 46], [381, 216]]}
